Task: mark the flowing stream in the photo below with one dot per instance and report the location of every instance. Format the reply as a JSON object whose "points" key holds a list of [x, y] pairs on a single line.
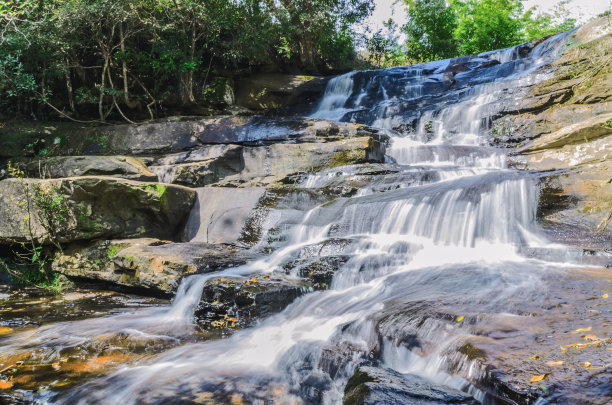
{"points": [[445, 232]]}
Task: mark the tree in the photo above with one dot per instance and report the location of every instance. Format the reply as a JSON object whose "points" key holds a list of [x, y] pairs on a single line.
{"points": [[384, 50], [537, 25], [484, 25], [430, 30], [310, 25]]}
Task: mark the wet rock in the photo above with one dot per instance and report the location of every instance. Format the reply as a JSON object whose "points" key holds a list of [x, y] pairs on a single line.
{"points": [[238, 302], [70, 166], [563, 337], [263, 165], [562, 126], [148, 265], [382, 386], [273, 90], [92, 207], [319, 262]]}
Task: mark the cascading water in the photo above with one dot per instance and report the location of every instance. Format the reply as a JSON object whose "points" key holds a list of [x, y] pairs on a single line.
{"points": [[441, 233]]}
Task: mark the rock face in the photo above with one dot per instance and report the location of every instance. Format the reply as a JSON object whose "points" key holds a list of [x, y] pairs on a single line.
{"points": [[381, 386], [564, 125], [238, 302], [91, 207], [237, 165], [266, 91], [147, 264], [71, 166]]}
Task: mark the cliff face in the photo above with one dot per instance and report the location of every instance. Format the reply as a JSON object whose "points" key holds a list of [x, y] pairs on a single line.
{"points": [[564, 129]]}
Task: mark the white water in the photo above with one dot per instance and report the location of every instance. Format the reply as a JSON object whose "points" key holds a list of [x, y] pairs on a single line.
{"points": [[451, 240]]}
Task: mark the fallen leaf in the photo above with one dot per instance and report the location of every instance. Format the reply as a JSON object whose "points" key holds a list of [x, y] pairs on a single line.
{"points": [[605, 295], [554, 363], [5, 385], [461, 318], [5, 330], [102, 359], [253, 280], [590, 337], [535, 357], [582, 330], [537, 378], [56, 365], [587, 364]]}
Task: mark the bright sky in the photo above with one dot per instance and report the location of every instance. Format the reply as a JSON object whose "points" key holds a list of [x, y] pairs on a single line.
{"points": [[582, 10]]}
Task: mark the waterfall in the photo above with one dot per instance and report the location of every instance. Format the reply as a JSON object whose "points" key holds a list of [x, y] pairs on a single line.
{"points": [[443, 232]]}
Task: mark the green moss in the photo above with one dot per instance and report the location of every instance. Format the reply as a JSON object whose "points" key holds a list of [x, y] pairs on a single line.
{"points": [[356, 388], [112, 251], [345, 157], [472, 352], [158, 190]]}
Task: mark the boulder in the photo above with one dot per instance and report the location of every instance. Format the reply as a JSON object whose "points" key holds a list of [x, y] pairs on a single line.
{"points": [[383, 386], [222, 215], [238, 302], [84, 208], [274, 90], [148, 265], [246, 166], [171, 136], [71, 166]]}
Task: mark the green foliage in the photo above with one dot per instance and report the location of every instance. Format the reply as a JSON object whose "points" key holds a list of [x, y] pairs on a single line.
{"points": [[385, 50], [438, 29], [108, 59], [484, 25], [46, 206], [537, 25], [430, 30]]}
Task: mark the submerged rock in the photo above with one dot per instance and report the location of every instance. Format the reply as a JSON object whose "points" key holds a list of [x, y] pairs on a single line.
{"points": [[382, 386], [91, 207]]}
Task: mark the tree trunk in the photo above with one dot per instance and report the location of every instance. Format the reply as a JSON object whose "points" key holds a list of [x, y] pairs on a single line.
{"points": [[69, 87], [307, 51], [128, 102], [187, 96]]}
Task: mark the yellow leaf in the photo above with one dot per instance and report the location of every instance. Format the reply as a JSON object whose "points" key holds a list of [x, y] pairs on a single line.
{"points": [[4, 330], [554, 363], [535, 357], [56, 365], [5, 384], [590, 337], [605, 295], [587, 364], [253, 280], [461, 318], [537, 378], [582, 330]]}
